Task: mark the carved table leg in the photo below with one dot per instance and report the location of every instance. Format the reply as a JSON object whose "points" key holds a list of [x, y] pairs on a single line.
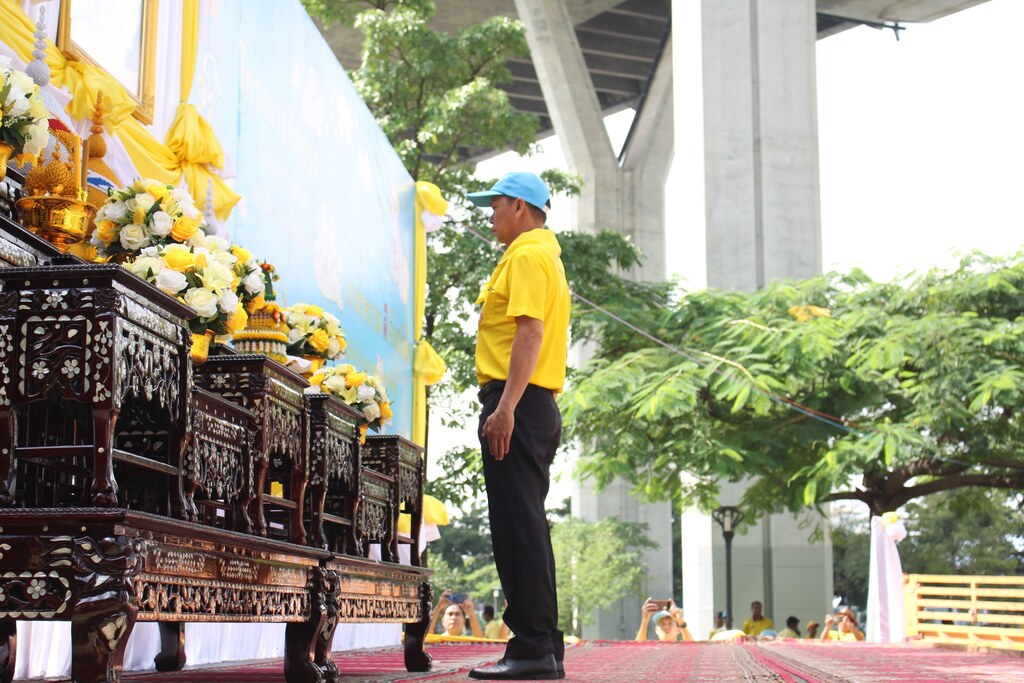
{"points": [[300, 638], [416, 657], [299, 477], [8, 649], [389, 545], [99, 633], [8, 438], [326, 639], [182, 505], [172, 647], [103, 489], [259, 522]]}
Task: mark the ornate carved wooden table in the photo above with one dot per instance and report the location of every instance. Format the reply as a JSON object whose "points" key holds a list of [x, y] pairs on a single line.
{"points": [[106, 569], [218, 463], [274, 395], [402, 460], [79, 346], [333, 441]]}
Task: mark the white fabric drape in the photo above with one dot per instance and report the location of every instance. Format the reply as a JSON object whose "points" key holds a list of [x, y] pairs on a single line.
{"points": [[885, 613]]}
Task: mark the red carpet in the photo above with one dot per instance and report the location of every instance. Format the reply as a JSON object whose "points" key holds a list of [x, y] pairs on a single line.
{"points": [[629, 662]]}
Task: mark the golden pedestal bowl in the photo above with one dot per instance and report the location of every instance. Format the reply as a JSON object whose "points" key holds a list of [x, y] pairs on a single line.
{"points": [[62, 221]]}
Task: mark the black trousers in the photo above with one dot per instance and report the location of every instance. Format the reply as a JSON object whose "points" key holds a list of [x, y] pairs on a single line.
{"points": [[516, 489]]}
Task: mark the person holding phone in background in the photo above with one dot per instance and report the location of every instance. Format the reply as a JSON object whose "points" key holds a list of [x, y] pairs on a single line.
{"points": [[667, 618], [457, 611]]}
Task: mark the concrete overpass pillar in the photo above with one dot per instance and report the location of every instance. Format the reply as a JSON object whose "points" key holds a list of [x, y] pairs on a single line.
{"points": [[759, 136], [626, 195], [746, 143]]}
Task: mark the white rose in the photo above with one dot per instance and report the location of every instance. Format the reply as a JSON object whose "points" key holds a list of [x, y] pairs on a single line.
{"points": [[333, 347], [36, 137], [171, 281], [294, 335], [191, 211], [181, 196], [150, 252], [144, 201], [335, 383], [143, 265], [134, 237], [203, 300], [116, 211], [215, 244], [197, 240], [371, 411], [228, 302], [364, 392], [253, 282], [215, 276], [37, 108], [225, 258], [160, 223]]}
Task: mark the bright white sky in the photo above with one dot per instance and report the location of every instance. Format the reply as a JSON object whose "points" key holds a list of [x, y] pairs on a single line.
{"points": [[921, 146]]}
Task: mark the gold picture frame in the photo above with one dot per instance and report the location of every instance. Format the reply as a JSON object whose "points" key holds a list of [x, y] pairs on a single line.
{"points": [[96, 20]]}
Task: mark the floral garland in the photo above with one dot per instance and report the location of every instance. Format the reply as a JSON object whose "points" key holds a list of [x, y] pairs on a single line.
{"points": [[314, 332], [203, 278], [363, 392], [24, 118], [143, 214]]}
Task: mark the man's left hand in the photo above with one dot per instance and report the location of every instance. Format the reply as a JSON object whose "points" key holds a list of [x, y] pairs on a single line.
{"points": [[498, 430]]}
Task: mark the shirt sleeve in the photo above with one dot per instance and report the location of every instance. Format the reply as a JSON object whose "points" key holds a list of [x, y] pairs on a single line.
{"points": [[527, 285]]}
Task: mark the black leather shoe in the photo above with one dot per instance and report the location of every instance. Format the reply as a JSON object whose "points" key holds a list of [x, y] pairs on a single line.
{"points": [[540, 669]]}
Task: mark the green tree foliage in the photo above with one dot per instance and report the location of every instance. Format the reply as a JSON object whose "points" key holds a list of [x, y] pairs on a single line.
{"points": [[924, 374], [598, 563], [971, 531], [851, 557]]}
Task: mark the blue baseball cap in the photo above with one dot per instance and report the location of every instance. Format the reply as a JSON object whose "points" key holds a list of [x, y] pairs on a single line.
{"points": [[520, 185]]}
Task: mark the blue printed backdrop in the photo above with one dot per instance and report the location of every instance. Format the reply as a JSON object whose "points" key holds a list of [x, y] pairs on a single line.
{"points": [[325, 197]]}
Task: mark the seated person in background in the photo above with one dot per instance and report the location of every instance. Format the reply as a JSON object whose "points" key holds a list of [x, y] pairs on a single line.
{"points": [[791, 630], [757, 621], [495, 629], [455, 617], [719, 625], [846, 626], [668, 624], [812, 630]]}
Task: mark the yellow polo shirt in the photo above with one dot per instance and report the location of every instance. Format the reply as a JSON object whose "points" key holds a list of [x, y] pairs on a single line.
{"points": [[528, 280]]}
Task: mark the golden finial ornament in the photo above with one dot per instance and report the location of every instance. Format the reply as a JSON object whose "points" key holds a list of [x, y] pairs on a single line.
{"points": [[56, 204]]}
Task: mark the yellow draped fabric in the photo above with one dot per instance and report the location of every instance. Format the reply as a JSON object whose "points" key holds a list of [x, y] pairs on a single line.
{"points": [[193, 140], [428, 367], [434, 512]]}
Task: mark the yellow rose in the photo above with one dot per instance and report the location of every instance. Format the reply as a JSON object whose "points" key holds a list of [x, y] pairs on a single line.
{"points": [[314, 311], [183, 228], [317, 378], [354, 379], [319, 340], [179, 259], [106, 231], [241, 253], [157, 190], [385, 411], [238, 320]]}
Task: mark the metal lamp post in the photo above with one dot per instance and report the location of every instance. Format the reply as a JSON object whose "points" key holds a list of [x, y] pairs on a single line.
{"points": [[728, 517]]}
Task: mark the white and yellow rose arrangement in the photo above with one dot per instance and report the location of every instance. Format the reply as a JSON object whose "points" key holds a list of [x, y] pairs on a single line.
{"points": [[24, 118], [209, 275], [314, 332], [362, 391], [145, 214]]}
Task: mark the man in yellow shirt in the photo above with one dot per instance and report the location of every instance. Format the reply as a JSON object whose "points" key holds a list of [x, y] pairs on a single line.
{"points": [[520, 365], [757, 621]]}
